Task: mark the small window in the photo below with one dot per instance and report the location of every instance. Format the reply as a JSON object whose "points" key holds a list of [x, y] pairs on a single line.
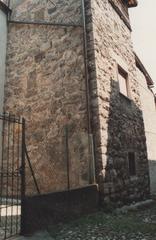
{"points": [[123, 82], [132, 163]]}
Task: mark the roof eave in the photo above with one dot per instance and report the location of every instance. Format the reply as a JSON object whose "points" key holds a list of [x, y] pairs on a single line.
{"points": [[132, 3], [4, 8], [143, 70]]}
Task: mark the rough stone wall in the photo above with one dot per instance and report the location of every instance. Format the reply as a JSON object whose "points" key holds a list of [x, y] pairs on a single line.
{"points": [[46, 85], [149, 114], [3, 43], [117, 121], [56, 11]]}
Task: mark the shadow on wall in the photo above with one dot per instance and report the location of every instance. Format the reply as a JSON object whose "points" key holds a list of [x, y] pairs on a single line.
{"points": [[152, 168], [126, 175]]}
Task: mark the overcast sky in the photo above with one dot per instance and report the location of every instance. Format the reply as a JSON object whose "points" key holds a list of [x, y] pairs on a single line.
{"points": [[143, 21]]}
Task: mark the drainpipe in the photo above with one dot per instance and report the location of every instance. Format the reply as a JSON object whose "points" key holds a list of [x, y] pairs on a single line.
{"points": [[86, 66], [8, 3], [90, 134]]}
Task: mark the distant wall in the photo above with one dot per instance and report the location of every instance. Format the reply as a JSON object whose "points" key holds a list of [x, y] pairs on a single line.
{"points": [[149, 114], [3, 42]]}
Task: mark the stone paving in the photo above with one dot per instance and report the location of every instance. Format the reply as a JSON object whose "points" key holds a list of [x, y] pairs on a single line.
{"points": [[133, 225]]}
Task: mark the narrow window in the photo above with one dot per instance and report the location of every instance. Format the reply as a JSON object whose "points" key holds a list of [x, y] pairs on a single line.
{"points": [[132, 163], [123, 82]]}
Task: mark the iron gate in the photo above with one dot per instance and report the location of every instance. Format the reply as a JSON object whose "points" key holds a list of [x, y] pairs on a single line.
{"points": [[12, 177]]}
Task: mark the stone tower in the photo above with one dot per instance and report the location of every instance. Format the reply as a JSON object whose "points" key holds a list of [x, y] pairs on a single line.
{"points": [[71, 73]]}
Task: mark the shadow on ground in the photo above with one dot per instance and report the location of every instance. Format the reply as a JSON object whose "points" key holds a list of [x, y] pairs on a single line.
{"points": [[133, 225]]}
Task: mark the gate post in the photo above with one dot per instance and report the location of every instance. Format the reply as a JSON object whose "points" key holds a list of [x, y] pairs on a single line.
{"points": [[23, 178]]}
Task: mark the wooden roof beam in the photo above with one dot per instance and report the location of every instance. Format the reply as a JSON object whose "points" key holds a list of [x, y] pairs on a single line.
{"points": [[131, 3]]}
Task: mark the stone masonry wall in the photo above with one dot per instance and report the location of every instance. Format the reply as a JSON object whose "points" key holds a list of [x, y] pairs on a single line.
{"points": [[46, 85], [117, 121], [55, 11], [3, 42], [149, 114]]}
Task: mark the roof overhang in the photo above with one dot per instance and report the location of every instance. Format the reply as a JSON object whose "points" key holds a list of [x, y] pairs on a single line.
{"points": [[4, 7], [143, 70], [131, 3]]}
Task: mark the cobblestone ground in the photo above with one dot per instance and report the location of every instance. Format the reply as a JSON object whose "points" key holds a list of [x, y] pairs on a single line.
{"points": [[134, 225]]}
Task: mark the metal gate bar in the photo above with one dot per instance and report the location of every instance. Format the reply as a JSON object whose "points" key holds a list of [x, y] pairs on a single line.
{"points": [[11, 183]]}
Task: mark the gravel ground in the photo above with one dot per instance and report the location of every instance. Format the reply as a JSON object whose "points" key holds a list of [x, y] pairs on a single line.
{"points": [[132, 225]]}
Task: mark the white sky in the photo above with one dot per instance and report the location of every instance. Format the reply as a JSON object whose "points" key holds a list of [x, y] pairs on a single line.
{"points": [[143, 21]]}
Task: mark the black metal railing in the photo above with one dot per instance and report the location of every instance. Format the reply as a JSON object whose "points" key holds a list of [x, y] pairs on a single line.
{"points": [[31, 170], [13, 160], [11, 180], [18, 174]]}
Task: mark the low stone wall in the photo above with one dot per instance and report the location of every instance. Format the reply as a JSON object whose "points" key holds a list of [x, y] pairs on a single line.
{"points": [[48, 209]]}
